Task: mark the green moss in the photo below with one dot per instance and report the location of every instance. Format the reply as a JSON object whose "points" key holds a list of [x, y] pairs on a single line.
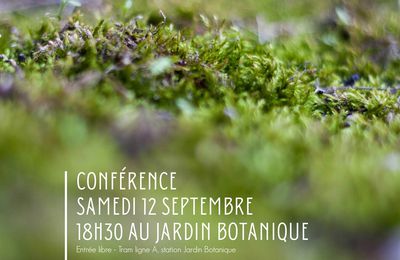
{"points": [[205, 97]]}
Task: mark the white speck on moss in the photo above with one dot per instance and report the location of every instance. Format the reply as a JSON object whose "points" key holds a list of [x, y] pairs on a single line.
{"points": [[160, 65], [392, 162]]}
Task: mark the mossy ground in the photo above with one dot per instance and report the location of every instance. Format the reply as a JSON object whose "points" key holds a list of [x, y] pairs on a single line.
{"points": [[233, 106]]}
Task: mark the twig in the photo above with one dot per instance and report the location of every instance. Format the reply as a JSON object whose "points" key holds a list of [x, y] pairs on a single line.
{"points": [[334, 89]]}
